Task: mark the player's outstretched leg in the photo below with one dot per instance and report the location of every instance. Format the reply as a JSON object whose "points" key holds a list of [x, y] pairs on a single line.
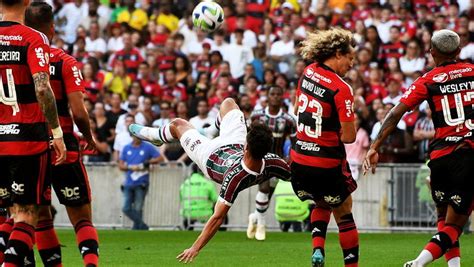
{"points": [[173, 131], [47, 240], [348, 235], [441, 241], [320, 217]]}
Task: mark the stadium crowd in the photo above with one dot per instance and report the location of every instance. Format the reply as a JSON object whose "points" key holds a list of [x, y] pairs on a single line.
{"points": [[145, 59]]}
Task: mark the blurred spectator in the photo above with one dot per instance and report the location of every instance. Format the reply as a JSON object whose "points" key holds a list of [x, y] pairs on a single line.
{"points": [[165, 110], [136, 18], [249, 37], [283, 51], [166, 18], [95, 45], [202, 119], [132, 105], [423, 133], [357, 150], [394, 87], [197, 197], [102, 153], [130, 56], [117, 81], [104, 127], [122, 138], [290, 212], [467, 45], [135, 159], [238, 54], [412, 61], [96, 13], [173, 152], [69, 18], [115, 42], [172, 91], [92, 85]]}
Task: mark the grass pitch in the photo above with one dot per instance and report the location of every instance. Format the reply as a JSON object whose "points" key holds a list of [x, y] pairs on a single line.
{"points": [[159, 248]]}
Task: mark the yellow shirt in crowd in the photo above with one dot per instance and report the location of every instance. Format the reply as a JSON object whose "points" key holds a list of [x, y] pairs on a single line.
{"points": [[137, 20], [116, 85]]}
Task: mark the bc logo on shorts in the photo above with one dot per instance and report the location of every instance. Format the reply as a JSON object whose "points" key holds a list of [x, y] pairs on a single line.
{"points": [[332, 200]]}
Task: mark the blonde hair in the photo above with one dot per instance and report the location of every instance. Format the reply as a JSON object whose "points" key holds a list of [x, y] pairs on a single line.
{"points": [[322, 45]]}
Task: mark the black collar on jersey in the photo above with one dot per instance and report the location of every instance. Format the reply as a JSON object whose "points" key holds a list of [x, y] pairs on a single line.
{"points": [[8, 23], [447, 63], [326, 67]]}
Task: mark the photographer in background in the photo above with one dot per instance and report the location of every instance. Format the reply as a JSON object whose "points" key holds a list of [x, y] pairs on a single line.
{"points": [[135, 160]]}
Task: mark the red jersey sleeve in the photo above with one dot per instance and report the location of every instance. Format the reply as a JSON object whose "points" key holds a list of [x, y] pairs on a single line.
{"points": [[73, 81], [38, 53], [344, 101], [415, 94]]}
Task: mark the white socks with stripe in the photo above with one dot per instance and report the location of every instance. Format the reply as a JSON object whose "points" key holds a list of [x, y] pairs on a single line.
{"points": [[261, 206]]}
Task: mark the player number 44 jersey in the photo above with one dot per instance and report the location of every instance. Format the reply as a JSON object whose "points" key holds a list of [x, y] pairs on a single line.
{"points": [[449, 90], [23, 53]]}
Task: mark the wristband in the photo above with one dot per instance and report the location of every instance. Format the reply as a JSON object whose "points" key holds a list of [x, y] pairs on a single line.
{"points": [[57, 133]]}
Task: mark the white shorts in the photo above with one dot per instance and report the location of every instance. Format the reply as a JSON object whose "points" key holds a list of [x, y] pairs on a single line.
{"points": [[233, 130]]}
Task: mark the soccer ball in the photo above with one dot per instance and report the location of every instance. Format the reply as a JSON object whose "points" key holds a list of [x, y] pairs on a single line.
{"points": [[208, 16]]}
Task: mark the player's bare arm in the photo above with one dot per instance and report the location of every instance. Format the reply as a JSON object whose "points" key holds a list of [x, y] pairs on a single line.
{"points": [[81, 118], [388, 126], [46, 100], [348, 132], [207, 233]]}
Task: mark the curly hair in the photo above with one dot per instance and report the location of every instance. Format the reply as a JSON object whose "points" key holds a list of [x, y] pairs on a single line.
{"points": [[322, 45]]}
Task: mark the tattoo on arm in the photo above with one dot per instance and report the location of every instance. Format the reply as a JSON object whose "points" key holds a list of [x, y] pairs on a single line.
{"points": [[45, 97]]}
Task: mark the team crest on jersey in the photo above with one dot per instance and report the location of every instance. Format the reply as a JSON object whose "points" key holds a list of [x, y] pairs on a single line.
{"points": [[440, 78], [281, 125]]}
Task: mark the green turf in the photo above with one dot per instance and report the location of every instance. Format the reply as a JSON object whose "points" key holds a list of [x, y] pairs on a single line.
{"points": [[159, 248]]}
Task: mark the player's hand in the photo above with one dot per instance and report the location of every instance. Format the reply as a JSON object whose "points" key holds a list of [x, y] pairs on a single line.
{"points": [[370, 161], [60, 149], [90, 145], [188, 255]]}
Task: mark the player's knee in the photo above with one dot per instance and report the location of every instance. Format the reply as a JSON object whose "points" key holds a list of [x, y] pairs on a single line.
{"points": [[179, 122], [227, 105], [26, 213]]}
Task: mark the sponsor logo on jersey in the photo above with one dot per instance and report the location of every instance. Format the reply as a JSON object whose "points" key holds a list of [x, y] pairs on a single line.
{"points": [[454, 139], [308, 146], [194, 144], [440, 77], [9, 129], [408, 91], [42, 57], [5, 39], [454, 74], [332, 200], [77, 74], [348, 107], [310, 73], [18, 189], [71, 193]]}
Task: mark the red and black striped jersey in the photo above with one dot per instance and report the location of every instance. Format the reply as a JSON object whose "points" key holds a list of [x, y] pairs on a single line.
{"points": [[226, 167], [449, 90], [66, 78], [132, 59], [324, 100], [23, 53], [282, 125]]}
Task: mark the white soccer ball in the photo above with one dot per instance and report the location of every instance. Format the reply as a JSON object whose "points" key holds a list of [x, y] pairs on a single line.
{"points": [[208, 16]]}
